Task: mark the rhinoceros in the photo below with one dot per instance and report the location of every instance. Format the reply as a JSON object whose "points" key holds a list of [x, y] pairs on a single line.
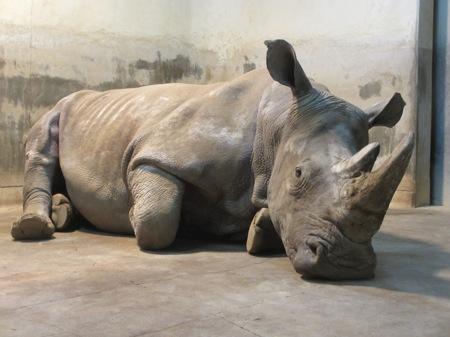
{"points": [[271, 156]]}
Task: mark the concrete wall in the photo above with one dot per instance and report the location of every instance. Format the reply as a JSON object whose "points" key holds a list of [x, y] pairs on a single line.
{"points": [[363, 51], [441, 122]]}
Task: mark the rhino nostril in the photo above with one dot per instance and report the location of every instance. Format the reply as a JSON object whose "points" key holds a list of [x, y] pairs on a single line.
{"points": [[306, 262], [313, 247]]}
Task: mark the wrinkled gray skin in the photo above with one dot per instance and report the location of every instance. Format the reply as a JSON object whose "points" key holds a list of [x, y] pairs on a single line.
{"points": [[156, 159]]}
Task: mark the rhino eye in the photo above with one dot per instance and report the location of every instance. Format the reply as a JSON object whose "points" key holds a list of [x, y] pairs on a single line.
{"points": [[298, 172]]}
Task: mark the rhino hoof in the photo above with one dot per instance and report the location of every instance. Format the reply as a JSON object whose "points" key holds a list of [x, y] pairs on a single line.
{"points": [[253, 242], [262, 237], [32, 227], [62, 213]]}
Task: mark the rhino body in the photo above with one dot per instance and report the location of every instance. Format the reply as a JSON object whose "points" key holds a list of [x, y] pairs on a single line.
{"points": [[201, 134], [269, 146]]}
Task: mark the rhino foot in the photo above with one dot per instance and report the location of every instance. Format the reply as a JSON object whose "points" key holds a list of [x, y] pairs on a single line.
{"points": [[62, 212], [32, 227], [262, 237]]}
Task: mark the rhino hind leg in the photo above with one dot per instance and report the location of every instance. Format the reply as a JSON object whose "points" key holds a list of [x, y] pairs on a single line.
{"points": [[62, 213], [156, 198], [32, 227], [262, 237], [41, 162]]}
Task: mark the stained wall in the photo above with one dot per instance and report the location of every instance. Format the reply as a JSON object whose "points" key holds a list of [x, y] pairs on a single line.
{"points": [[364, 51]]}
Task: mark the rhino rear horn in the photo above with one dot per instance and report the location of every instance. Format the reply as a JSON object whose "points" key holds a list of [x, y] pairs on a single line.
{"points": [[360, 162], [284, 67]]}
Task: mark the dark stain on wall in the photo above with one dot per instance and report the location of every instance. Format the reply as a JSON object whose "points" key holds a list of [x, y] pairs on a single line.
{"points": [[393, 80], [44, 91], [169, 70], [12, 129], [248, 66], [26, 95], [122, 79], [37, 90], [370, 89], [208, 74]]}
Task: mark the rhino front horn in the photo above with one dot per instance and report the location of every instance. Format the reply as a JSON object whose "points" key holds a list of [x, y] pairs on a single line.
{"points": [[367, 197]]}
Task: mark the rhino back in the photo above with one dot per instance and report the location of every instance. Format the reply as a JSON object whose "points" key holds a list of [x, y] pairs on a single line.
{"points": [[201, 133]]}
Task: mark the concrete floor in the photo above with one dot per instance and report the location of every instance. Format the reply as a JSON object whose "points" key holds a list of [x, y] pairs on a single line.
{"points": [[87, 283]]}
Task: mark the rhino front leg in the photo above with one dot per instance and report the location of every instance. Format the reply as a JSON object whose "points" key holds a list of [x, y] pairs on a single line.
{"points": [[156, 198], [262, 237]]}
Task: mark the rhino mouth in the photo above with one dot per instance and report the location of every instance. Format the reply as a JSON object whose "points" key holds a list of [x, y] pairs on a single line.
{"points": [[319, 257]]}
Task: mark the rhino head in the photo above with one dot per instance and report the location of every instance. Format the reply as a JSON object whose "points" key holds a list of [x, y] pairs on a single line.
{"points": [[326, 200]]}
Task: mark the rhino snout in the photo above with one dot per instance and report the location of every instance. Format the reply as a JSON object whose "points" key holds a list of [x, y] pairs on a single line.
{"points": [[315, 259]]}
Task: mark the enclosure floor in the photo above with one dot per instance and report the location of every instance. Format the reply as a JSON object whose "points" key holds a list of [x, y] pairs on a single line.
{"points": [[87, 283]]}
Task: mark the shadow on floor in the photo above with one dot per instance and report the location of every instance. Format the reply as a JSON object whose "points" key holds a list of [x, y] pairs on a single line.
{"points": [[407, 265], [182, 245], [404, 264]]}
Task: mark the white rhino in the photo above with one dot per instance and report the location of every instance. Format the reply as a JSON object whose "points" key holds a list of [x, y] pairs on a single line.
{"points": [[268, 146]]}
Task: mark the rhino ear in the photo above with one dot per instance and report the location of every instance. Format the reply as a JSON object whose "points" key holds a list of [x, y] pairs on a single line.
{"points": [[284, 67], [386, 113]]}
